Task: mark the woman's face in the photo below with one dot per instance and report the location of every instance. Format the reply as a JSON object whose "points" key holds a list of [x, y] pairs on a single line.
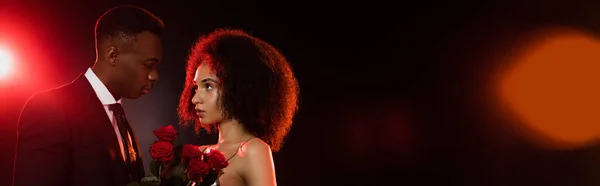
{"points": [[206, 96]]}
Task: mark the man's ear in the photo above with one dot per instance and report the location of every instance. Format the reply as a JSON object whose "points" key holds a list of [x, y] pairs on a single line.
{"points": [[113, 55]]}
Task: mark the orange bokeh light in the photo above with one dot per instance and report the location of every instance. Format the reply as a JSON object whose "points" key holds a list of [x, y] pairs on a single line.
{"points": [[555, 88]]}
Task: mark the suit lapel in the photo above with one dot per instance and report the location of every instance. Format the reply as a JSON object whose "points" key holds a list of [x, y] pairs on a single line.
{"points": [[101, 123]]}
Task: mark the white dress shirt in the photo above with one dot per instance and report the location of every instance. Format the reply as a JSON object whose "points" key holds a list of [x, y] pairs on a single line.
{"points": [[106, 99]]}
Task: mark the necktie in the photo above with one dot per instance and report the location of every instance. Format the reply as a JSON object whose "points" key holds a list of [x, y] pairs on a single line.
{"points": [[134, 167]]}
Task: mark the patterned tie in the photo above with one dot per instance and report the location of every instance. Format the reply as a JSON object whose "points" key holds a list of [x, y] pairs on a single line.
{"points": [[134, 167]]}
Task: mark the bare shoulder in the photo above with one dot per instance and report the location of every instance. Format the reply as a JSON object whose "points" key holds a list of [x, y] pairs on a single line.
{"points": [[256, 147], [258, 167], [256, 153]]}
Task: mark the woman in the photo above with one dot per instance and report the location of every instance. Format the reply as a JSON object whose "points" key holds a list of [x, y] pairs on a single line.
{"points": [[245, 89]]}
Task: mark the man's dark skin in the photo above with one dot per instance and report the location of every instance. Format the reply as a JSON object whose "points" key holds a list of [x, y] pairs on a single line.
{"points": [[64, 134], [128, 66]]}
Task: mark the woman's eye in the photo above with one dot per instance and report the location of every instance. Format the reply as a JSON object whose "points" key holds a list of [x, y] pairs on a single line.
{"points": [[208, 87]]}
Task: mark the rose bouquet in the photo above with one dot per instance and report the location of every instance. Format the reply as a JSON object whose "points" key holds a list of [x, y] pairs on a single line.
{"points": [[182, 165]]}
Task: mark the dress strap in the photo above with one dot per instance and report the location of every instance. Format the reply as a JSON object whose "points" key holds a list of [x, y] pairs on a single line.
{"points": [[239, 148]]}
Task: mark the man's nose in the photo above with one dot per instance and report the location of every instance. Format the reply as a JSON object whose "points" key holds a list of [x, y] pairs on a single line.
{"points": [[153, 76]]}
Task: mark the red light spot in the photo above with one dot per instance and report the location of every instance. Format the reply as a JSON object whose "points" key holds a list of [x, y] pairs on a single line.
{"points": [[6, 63]]}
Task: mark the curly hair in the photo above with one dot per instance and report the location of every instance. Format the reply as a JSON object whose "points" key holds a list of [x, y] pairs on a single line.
{"points": [[258, 86]]}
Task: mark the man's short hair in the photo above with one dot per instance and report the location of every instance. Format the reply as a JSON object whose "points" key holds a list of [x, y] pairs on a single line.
{"points": [[127, 21]]}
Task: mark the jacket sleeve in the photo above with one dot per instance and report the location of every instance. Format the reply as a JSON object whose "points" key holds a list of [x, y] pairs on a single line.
{"points": [[43, 150]]}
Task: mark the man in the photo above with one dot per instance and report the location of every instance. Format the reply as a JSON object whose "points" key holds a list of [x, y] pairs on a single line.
{"points": [[77, 134]]}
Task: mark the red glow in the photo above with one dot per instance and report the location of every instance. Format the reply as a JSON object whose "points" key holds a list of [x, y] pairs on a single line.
{"points": [[6, 62], [22, 61]]}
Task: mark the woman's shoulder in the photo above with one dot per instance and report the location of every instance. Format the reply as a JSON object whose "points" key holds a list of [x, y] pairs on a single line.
{"points": [[257, 164], [255, 147]]}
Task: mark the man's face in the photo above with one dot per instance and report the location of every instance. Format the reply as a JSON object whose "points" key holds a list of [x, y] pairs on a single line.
{"points": [[137, 66]]}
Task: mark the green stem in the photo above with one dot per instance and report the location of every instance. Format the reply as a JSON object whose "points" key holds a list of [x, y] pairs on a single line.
{"points": [[159, 171], [189, 183]]}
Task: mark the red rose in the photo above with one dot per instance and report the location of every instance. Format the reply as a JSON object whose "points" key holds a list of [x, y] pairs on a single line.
{"points": [[162, 151], [189, 152], [167, 133], [197, 170], [216, 160]]}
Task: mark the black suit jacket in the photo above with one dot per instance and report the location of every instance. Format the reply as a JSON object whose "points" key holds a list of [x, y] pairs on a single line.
{"points": [[65, 139]]}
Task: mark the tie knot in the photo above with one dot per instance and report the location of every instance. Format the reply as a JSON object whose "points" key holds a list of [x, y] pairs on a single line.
{"points": [[116, 108]]}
